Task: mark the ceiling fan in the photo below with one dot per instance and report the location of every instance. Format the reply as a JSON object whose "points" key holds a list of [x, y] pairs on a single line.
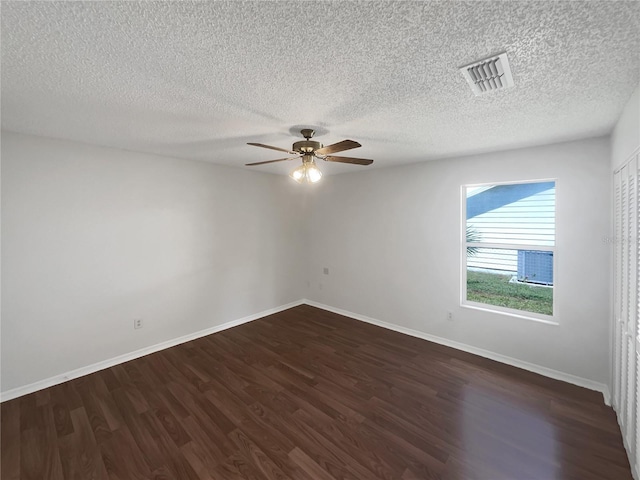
{"points": [[309, 150]]}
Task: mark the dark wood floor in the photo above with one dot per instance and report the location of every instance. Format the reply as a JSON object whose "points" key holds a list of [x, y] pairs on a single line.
{"points": [[307, 394]]}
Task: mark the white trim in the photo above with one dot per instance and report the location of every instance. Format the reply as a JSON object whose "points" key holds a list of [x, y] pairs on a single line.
{"points": [[509, 182], [628, 160], [522, 314], [531, 367], [95, 367], [511, 312]]}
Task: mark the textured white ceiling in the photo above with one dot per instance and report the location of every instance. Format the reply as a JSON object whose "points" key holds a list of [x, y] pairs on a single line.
{"points": [[198, 80]]}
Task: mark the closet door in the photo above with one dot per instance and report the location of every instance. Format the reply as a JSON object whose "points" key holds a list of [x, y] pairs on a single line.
{"points": [[623, 307], [626, 335], [632, 312]]}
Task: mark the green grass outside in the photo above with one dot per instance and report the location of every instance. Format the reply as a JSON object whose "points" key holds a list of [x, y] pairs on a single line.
{"points": [[495, 289]]}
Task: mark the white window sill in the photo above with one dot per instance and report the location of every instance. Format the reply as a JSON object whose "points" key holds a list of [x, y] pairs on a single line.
{"points": [[511, 313]]}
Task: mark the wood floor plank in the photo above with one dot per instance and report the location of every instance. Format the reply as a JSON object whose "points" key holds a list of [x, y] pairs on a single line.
{"points": [[169, 451], [79, 453], [99, 426], [254, 454], [216, 436], [103, 397], [308, 394], [10, 441], [309, 466], [122, 458], [31, 460], [197, 458], [209, 453], [334, 442], [52, 464]]}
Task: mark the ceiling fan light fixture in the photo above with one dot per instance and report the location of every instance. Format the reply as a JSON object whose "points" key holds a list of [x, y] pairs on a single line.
{"points": [[308, 151], [306, 173]]}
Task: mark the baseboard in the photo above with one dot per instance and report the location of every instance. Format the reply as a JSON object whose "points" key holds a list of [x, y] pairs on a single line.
{"points": [[95, 367], [547, 372], [64, 377]]}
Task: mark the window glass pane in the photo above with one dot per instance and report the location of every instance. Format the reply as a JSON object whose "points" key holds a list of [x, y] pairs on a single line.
{"points": [[517, 214], [499, 260], [517, 279]]}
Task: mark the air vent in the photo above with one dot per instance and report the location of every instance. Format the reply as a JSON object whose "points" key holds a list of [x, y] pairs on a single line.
{"points": [[488, 75]]}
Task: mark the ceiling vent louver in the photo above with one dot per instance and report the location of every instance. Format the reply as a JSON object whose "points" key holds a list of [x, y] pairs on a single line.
{"points": [[488, 75]]}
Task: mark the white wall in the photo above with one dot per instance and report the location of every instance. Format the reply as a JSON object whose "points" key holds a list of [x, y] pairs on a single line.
{"points": [[95, 237], [625, 138], [391, 239]]}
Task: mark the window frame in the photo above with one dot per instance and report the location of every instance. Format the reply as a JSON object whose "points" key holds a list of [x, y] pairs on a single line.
{"points": [[512, 312]]}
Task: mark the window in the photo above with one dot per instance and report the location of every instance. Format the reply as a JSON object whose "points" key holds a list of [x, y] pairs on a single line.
{"points": [[509, 248]]}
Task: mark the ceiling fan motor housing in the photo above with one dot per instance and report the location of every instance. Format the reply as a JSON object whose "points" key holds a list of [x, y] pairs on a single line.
{"points": [[306, 146]]}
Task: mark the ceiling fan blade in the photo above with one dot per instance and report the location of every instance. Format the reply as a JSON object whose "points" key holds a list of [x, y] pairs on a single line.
{"points": [[270, 161], [357, 161], [338, 147], [270, 147]]}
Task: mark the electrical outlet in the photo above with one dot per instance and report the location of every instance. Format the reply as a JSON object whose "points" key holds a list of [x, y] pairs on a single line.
{"points": [[449, 316], [325, 270], [137, 323]]}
